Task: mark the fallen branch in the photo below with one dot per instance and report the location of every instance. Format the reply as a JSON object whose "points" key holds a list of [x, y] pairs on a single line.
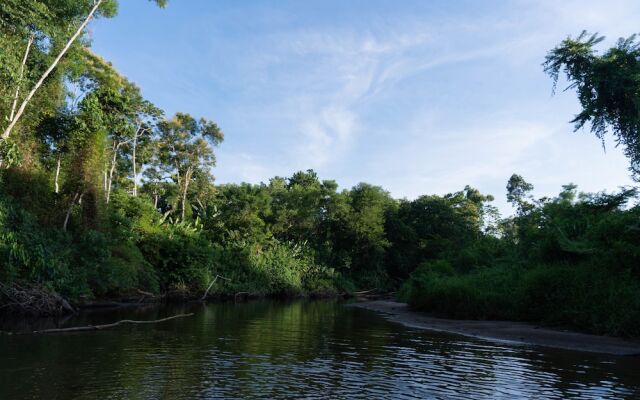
{"points": [[204, 296], [107, 326]]}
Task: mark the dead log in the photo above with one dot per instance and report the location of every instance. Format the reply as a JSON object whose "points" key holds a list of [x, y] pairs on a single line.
{"points": [[108, 326]]}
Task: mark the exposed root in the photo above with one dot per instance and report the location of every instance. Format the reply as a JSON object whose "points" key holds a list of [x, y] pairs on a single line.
{"points": [[32, 300]]}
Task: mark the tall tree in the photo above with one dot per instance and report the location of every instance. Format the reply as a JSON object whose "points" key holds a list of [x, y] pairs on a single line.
{"points": [[48, 23], [519, 193], [186, 150], [108, 9], [129, 117]]}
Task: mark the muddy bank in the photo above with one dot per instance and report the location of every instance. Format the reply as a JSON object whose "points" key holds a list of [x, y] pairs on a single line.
{"points": [[504, 331]]}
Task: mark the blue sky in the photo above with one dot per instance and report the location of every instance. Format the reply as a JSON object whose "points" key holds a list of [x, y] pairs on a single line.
{"points": [[419, 97]]}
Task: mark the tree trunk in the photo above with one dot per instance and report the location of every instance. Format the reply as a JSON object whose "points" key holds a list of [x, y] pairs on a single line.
{"points": [[187, 178], [112, 169], [24, 62], [73, 203], [133, 158], [184, 200], [155, 200], [46, 73], [135, 172], [57, 187]]}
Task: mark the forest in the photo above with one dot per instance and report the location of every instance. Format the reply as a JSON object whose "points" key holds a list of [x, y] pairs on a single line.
{"points": [[102, 194]]}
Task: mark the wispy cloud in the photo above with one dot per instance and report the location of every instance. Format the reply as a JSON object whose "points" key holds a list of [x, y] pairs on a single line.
{"points": [[351, 70], [346, 71], [333, 80], [421, 97]]}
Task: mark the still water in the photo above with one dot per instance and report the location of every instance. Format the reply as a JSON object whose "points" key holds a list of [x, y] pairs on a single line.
{"points": [[302, 349]]}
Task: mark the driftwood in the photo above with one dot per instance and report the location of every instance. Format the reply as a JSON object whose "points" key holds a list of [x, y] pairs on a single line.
{"points": [[206, 292], [107, 326]]}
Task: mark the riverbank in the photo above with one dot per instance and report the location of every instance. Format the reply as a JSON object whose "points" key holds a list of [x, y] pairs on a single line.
{"points": [[504, 331], [38, 302]]}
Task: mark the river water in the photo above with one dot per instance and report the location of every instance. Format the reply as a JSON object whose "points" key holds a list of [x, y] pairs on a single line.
{"points": [[301, 349]]}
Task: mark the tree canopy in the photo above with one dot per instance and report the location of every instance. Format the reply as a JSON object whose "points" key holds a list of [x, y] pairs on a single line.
{"points": [[608, 88]]}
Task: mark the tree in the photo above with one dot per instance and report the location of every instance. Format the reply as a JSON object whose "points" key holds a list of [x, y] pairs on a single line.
{"points": [[132, 116], [108, 9], [518, 192], [608, 88], [48, 22], [152, 184], [367, 239], [119, 101], [241, 213], [185, 149], [53, 132], [141, 144]]}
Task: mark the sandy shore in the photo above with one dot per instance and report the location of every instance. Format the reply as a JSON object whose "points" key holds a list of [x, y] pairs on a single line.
{"points": [[504, 331]]}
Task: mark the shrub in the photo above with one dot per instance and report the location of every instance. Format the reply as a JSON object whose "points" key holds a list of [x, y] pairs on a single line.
{"points": [[584, 296]]}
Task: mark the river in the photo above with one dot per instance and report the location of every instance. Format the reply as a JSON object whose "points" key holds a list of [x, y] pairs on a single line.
{"points": [[296, 349]]}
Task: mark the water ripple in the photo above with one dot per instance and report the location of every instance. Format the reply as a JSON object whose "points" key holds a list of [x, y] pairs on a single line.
{"points": [[310, 350]]}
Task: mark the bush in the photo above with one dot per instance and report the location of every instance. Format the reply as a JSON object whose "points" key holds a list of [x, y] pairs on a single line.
{"points": [[584, 297], [272, 268], [180, 256], [483, 294]]}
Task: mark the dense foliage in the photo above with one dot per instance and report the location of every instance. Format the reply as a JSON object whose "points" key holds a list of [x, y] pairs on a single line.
{"points": [[570, 261], [101, 194], [608, 87]]}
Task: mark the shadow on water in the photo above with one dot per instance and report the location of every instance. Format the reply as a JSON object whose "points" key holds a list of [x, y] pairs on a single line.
{"points": [[311, 349]]}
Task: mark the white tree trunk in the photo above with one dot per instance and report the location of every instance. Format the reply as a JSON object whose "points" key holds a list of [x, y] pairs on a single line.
{"points": [[187, 178], [46, 73], [135, 172], [112, 169], [57, 187], [73, 203], [133, 158], [24, 62]]}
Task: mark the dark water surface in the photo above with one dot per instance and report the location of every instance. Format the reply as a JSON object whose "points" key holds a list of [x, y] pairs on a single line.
{"points": [[303, 349]]}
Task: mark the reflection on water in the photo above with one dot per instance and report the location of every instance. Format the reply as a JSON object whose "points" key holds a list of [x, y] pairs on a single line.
{"points": [[304, 349]]}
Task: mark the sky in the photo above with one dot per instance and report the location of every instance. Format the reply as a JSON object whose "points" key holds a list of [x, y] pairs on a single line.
{"points": [[419, 97]]}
